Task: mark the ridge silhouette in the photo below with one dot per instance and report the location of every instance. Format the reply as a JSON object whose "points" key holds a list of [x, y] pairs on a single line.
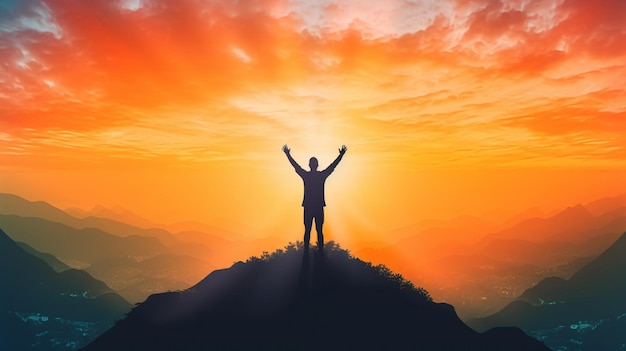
{"points": [[292, 300], [136, 266], [41, 309], [584, 312]]}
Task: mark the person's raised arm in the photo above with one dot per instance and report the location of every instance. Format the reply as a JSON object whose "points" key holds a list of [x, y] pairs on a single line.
{"points": [[293, 162], [332, 166]]}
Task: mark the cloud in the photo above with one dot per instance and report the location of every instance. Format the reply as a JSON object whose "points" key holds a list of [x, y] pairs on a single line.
{"points": [[28, 15], [485, 74], [374, 19], [184, 49]]}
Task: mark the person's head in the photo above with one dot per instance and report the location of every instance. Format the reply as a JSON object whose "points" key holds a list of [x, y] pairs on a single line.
{"points": [[313, 163]]}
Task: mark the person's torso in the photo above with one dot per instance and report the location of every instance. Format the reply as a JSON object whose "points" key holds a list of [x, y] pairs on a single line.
{"points": [[314, 188]]}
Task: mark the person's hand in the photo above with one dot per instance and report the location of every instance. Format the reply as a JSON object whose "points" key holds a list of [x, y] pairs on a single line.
{"points": [[342, 150], [286, 149]]}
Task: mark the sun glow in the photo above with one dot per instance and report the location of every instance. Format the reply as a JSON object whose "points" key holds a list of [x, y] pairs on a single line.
{"points": [[178, 110]]}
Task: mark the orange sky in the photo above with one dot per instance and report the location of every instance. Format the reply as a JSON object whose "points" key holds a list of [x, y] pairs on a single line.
{"points": [[178, 109]]}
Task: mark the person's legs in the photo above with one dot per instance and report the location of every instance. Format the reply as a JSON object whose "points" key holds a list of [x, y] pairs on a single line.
{"points": [[319, 222], [308, 223]]}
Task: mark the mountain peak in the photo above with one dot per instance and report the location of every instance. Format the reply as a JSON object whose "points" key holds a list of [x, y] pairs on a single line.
{"points": [[602, 206], [295, 299], [576, 212]]}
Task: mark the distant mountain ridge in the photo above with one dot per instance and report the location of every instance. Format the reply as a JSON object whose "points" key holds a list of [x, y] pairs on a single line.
{"points": [[14, 205], [41, 309], [51, 260], [79, 245], [604, 205], [290, 300], [197, 244], [117, 260], [483, 277], [93, 243], [118, 214]]}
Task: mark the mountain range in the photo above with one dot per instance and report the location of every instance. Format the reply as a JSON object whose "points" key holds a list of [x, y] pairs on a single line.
{"points": [[51, 260], [14, 205], [116, 213], [578, 313], [42, 309], [124, 256], [296, 300], [490, 269], [481, 276]]}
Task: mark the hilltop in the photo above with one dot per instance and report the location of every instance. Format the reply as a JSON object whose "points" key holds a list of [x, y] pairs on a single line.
{"points": [[297, 300]]}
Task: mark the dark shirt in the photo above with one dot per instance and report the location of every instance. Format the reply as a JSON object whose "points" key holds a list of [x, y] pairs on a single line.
{"points": [[314, 182], [314, 186]]}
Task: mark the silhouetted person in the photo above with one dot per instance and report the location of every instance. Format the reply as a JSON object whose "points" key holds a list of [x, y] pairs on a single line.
{"points": [[313, 201]]}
